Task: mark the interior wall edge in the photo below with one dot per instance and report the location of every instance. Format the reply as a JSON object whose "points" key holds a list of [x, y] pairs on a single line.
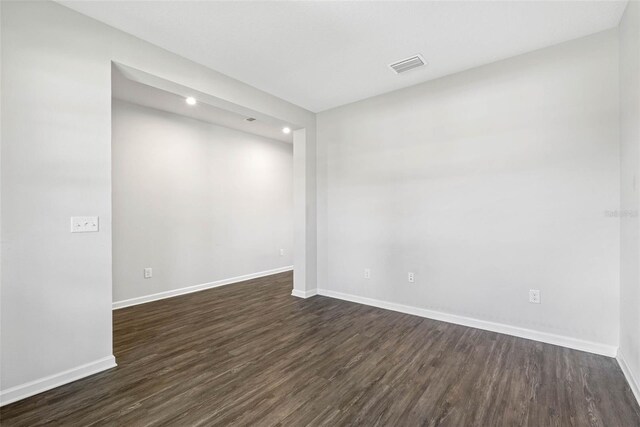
{"points": [[632, 378], [501, 328], [196, 288], [40, 385], [304, 294]]}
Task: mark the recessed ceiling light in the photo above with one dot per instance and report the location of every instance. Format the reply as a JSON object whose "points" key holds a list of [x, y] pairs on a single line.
{"points": [[286, 130], [191, 100]]}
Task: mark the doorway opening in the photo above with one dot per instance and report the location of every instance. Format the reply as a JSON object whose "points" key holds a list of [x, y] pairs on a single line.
{"points": [[205, 192]]}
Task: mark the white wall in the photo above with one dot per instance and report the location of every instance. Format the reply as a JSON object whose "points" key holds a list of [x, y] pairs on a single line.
{"points": [[196, 202], [486, 184], [482, 183], [629, 354], [56, 163]]}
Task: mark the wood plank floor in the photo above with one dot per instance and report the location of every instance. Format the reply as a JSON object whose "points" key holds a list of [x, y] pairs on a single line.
{"points": [[251, 354]]}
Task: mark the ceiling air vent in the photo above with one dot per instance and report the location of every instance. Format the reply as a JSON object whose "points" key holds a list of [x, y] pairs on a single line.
{"points": [[250, 119], [408, 64]]}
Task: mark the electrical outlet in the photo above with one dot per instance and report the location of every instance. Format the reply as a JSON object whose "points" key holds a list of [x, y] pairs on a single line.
{"points": [[84, 224], [367, 273], [148, 273], [534, 296], [411, 277], [281, 252]]}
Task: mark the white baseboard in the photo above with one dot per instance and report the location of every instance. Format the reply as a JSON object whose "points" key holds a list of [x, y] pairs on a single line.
{"points": [[189, 289], [304, 294], [564, 341], [632, 379], [47, 383]]}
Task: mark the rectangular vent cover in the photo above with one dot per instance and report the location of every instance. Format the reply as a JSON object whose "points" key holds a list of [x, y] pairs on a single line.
{"points": [[407, 64]]}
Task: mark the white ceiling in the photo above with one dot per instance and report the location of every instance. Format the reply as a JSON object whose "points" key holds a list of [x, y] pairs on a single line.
{"points": [[135, 92], [322, 54]]}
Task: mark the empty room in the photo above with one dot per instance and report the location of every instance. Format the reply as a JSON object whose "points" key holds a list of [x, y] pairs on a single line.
{"points": [[304, 213]]}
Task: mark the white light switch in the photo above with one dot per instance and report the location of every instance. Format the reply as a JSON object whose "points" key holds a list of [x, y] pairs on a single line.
{"points": [[84, 224], [148, 273]]}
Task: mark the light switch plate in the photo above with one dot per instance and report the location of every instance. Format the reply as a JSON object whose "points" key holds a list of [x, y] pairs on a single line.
{"points": [[84, 224]]}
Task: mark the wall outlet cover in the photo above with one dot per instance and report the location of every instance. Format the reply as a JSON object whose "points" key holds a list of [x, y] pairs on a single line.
{"points": [[534, 296]]}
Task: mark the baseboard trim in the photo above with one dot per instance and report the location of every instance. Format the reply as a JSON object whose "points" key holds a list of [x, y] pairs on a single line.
{"points": [[47, 383], [632, 379], [189, 289], [304, 294], [564, 341]]}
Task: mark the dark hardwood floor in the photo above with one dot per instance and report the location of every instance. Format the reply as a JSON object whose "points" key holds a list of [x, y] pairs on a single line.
{"points": [[251, 354]]}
